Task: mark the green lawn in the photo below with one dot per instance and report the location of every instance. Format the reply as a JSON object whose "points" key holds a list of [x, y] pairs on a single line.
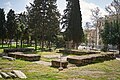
{"points": [[108, 70]]}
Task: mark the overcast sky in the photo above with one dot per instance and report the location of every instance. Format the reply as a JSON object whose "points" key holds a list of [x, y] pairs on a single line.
{"points": [[86, 6]]}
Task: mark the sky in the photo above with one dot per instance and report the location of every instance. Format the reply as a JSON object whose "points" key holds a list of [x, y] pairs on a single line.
{"points": [[85, 5]]}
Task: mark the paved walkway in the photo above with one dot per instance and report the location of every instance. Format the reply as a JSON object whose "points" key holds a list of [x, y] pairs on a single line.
{"points": [[64, 58], [55, 57], [51, 56]]}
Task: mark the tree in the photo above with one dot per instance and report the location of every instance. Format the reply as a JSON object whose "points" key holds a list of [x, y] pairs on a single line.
{"points": [[11, 25], [106, 34], [72, 21], [111, 31], [52, 23], [88, 27], [35, 19], [95, 19], [43, 19], [2, 25], [22, 30], [114, 7]]}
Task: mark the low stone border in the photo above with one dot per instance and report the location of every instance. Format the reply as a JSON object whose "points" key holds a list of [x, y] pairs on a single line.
{"points": [[88, 59], [19, 50], [77, 52], [27, 57]]}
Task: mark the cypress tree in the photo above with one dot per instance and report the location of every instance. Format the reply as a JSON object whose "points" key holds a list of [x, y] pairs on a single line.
{"points": [[11, 25], [73, 22], [2, 25]]}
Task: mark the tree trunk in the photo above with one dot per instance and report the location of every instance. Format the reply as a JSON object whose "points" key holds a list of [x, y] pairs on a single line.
{"points": [[10, 43], [2, 42], [42, 45], [119, 48], [35, 44], [76, 46], [49, 45], [21, 43], [16, 43], [28, 41]]}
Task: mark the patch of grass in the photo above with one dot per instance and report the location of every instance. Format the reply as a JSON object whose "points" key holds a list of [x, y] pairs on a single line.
{"points": [[47, 59], [107, 70], [99, 71], [48, 53], [1, 50]]}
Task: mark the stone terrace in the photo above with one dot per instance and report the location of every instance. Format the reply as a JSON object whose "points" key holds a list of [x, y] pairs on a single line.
{"points": [[27, 57], [18, 50], [88, 59]]}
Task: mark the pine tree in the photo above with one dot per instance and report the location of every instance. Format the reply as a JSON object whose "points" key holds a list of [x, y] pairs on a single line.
{"points": [[22, 30], [35, 14], [43, 19], [52, 24]]}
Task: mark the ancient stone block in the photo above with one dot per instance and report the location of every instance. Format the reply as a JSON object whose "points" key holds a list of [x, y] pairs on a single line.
{"points": [[19, 74], [11, 75], [0, 76], [4, 75], [57, 63], [9, 58], [18, 50], [27, 57]]}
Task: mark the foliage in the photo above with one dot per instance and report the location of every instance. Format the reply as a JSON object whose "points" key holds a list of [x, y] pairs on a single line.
{"points": [[114, 7], [43, 20], [2, 25], [11, 25], [72, 21], [111, 31], [22, 31]]}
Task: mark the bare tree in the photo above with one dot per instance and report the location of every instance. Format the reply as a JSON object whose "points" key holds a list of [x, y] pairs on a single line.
{"points": [[95, 18], [114, 7]]}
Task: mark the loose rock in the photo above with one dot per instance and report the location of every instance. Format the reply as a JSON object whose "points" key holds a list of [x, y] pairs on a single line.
{"points": [[19, 74], [9, 58], [4, 75], [0, 76], [11, 75]]}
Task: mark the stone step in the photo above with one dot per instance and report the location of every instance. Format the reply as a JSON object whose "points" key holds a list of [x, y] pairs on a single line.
{"points": [[78, 52], [88, 59], [18, 50], [26, 57]]}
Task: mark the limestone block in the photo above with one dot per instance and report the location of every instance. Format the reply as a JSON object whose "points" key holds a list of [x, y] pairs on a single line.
{"points": [[19, 74]]}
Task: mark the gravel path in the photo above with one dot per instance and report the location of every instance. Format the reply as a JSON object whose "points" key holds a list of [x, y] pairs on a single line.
{"points": [[43, 63]]}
